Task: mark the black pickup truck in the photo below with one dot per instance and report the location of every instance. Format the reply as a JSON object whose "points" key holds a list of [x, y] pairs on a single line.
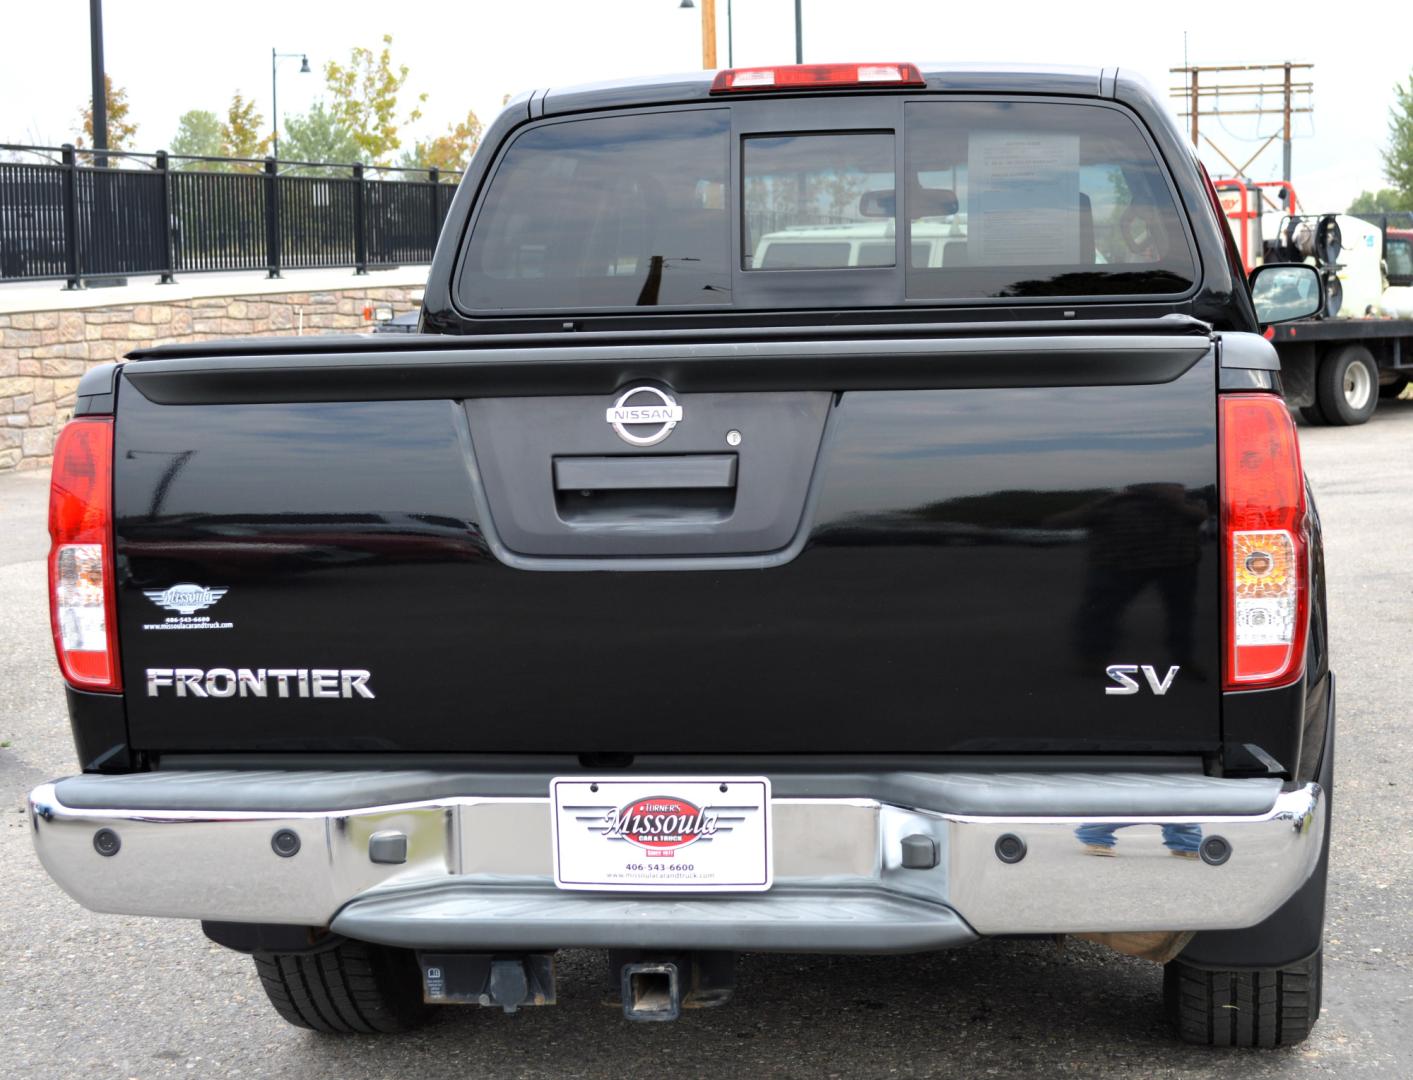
{"points": [[833, 508]]}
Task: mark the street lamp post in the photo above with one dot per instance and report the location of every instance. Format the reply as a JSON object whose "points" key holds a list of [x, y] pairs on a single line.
{"points": [[275, 58], [100, 82]]}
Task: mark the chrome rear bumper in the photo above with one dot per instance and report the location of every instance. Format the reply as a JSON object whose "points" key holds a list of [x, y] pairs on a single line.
{"points": [[477, 870]]}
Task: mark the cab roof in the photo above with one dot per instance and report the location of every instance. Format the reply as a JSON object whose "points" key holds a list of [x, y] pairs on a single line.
{"points": [[989, 78]]}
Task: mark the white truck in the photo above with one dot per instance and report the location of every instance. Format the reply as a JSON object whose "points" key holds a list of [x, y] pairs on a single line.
{"points": [[1336, 365]]}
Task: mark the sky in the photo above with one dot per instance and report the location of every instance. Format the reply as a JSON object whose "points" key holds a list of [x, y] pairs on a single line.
{"points": [[193, 54]]}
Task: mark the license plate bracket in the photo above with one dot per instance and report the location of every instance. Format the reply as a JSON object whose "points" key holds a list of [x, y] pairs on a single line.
{"points": [[662, 833]]}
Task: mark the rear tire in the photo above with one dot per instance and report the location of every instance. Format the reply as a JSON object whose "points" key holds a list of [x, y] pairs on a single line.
{"points": [[1263, 1008], [347, 988], [1346, 386]]}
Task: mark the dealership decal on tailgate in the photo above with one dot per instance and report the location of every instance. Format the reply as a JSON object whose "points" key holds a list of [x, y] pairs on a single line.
{"points": [[662, 834]]}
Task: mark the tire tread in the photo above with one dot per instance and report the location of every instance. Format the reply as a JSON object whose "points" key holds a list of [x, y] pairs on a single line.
{"points": [[1262, 1008], [347, 988]]}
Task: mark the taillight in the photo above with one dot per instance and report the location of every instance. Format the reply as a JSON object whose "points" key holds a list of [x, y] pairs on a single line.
{"points": [[1267, 554], [815, 76], [81, 578]]}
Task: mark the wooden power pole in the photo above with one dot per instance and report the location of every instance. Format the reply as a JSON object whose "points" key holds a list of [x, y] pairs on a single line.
{"points": [[709, 34], [1242, 90]]}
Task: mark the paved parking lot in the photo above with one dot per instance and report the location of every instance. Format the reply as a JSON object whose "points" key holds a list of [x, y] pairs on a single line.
{"points": [[85, 995]]}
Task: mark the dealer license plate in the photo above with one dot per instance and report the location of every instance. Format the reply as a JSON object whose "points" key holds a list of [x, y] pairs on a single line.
{"points": [[662, 833]]}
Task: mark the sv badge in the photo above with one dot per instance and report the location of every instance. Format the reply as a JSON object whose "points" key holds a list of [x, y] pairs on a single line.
{"points": [[1125, 683]]}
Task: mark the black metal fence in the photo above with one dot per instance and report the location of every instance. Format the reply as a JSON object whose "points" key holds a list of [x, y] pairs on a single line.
{"points": [[63, 216]]}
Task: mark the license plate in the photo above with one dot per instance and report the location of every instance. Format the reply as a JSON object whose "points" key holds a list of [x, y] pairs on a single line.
{"points": [[662, 833]]}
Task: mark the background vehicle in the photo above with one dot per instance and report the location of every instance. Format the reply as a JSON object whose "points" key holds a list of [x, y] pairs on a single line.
{"points": [[406, 323], [1337, 365], [1398, 259], [659, 602], [865, 244]]}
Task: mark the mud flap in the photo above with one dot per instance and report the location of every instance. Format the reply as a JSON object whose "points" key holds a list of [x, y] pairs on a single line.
{"points": [[1293, 933]]}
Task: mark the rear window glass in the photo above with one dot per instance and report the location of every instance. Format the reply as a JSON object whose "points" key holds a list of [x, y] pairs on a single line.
{"points": [[1037, 199], [996, 199], [807, 203], [606, 212]]}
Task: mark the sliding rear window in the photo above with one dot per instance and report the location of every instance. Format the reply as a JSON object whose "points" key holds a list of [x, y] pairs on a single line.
{"points": [[1037, 199], [806, 204]]}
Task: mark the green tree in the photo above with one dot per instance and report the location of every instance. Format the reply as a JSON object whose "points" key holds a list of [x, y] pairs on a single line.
{"points": [[319, 135], [198, 135], [365, 93], [1380, 202], [121, 131], [240, 134], [1398, 156], [450, 152]]}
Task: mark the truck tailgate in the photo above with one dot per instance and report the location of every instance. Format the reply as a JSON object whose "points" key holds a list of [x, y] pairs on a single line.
{"points": [[918, 546]]}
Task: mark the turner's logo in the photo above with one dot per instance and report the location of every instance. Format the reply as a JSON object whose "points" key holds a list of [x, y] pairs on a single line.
{"points": [[660, 824], [185, 599], [650, 412]]}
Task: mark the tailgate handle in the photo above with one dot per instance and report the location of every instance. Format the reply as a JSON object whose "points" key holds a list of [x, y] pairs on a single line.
{"points": [[647, 472]]}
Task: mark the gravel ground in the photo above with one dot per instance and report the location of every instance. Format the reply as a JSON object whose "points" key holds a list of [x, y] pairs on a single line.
{"points": [[85, 995]]}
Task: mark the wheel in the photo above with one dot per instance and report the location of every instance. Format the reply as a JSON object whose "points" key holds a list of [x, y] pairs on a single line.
{"points": [[347, 988], [1393, 389], [1261, 1008], [1313, 416], [1346, 385]]}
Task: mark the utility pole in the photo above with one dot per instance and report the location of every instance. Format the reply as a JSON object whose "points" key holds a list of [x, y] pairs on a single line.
{"points": [[709, 35], [799, 36], [1242, 90], [1285, 142], [100, 83], [1194, 110]]}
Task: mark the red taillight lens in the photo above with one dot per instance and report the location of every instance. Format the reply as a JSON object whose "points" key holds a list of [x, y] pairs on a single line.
{"points": [[81, 576], [797, 76], [1265, 538]]}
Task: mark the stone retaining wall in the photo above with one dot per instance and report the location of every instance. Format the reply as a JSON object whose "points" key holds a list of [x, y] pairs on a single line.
{"points": [[43, 353]]}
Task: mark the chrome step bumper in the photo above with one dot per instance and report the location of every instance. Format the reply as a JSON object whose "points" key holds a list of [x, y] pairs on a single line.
{"points": [[477, 869]]}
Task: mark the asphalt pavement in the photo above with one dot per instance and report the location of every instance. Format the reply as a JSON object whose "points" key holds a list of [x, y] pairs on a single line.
{"points": [[86, 995]]}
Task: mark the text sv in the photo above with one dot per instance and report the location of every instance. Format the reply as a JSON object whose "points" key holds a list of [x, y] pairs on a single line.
{"points": [[1125, 683]]}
